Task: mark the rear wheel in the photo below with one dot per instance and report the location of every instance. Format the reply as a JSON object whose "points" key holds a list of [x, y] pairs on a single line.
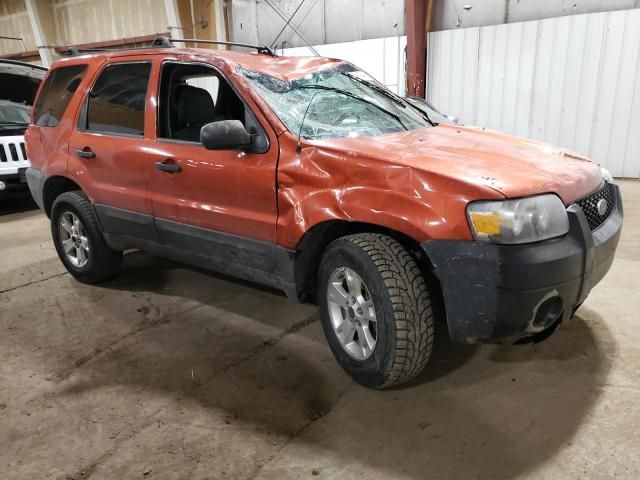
{"points": [[375, 309], [79, 240]]}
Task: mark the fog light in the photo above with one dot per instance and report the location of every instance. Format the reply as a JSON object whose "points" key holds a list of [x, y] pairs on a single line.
{"points": [[2, 185], [548, 313]]}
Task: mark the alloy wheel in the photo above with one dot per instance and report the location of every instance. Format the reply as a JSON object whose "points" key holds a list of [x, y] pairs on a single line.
{"points": [[352, 313], [73, 239]]}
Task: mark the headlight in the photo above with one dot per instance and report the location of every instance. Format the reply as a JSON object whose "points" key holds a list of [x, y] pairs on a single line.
{"points": [[606, 175], [521, 220]]}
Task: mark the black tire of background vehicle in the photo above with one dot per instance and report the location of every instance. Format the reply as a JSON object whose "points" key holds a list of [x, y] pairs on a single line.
{"points": [[103, 262], [405, 330]]}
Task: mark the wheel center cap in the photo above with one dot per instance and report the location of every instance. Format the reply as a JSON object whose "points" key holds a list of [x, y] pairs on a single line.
{"points": [[352, 313]]}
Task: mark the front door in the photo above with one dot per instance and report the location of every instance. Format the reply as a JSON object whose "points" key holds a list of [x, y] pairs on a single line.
{"points": [[217, 206]]}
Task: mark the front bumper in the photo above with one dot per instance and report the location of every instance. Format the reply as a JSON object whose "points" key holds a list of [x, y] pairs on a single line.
{"points": [[12, 182], [496, 293]]}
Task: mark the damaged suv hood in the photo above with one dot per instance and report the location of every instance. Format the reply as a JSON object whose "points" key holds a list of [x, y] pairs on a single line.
{"points": [[513, 166]]}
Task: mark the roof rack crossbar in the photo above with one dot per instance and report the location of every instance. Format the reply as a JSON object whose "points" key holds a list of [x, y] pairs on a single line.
{"points": [[73, 51], [259, 48]]}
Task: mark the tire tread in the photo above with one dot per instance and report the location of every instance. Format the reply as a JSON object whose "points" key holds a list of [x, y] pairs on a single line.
{"points": [[410, 302]]}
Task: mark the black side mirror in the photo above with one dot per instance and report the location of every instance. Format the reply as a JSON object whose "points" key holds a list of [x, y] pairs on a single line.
{"points": [[225, 135]]}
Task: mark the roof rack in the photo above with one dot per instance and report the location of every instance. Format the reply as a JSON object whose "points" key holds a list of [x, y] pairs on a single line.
{"points": [[74, 51], [161, 41]]}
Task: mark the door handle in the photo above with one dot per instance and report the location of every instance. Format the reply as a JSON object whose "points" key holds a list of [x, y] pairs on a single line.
{"points": [[85, 153], [168, 167]]}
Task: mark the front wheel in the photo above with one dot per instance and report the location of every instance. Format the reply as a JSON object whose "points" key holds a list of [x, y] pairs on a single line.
{"points": [[375, 309]]}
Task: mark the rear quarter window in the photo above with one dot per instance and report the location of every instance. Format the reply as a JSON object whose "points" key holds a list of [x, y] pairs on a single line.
{"points": [[56, 94]]}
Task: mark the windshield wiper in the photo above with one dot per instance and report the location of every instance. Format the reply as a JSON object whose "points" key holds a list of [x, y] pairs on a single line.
{"points": [[352, 95], [377, 88], [423, 113], [390, 95]]}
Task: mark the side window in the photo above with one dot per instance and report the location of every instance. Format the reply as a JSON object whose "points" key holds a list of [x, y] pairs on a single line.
{"points": [[192, 96], [117, 100], [56, 94]]}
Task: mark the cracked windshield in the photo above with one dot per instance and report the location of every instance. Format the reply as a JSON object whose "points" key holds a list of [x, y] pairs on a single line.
{"points": [[336, 102]]}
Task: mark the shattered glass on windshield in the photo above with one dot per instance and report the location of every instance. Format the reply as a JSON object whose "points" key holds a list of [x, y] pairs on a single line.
{"points": [[335, 102]]}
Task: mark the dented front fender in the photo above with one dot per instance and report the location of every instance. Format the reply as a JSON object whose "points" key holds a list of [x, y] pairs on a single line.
{"points": [[317, 183]]}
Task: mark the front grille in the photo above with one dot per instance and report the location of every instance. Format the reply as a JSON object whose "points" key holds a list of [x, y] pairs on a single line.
{"points": [[13, 152], [589, 206]]}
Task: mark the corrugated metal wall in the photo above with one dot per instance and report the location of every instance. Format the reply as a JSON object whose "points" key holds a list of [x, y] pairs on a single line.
{"points": [[570, 81], [81, 21]]}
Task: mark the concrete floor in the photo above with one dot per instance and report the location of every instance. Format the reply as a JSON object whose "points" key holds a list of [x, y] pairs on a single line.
{"points": [[168, 372]]}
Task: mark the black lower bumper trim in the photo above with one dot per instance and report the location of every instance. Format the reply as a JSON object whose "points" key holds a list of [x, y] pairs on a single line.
{"points": [[497, 293], [12, 182]]}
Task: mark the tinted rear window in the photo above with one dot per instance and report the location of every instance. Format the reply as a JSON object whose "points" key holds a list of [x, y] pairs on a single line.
{"points": [[117, 100], [56, 94]]}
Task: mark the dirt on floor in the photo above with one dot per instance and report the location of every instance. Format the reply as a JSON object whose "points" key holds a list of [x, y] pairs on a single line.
{"points": [[169, 372]]}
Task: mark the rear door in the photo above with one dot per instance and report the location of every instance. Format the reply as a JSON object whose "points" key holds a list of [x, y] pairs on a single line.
{"points": [[109, 150]]}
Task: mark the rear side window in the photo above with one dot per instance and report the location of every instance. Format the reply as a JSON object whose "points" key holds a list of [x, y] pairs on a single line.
{"points": [[117, 100], [56, 94]]}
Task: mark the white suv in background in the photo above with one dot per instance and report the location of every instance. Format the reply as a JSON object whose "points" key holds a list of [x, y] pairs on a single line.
{"points": [[19, 83]]}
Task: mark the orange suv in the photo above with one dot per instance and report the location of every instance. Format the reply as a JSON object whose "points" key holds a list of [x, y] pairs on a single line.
{"points": [[307, 175]]}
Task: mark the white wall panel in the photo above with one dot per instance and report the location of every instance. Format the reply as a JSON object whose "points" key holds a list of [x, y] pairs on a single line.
{"points": [[309, 21], [571, 81], [382, 58]]}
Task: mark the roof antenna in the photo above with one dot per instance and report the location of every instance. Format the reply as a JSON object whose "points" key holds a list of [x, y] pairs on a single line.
{"points": [[304, 117]]}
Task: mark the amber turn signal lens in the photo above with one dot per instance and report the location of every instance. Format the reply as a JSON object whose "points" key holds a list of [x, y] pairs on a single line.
{"points": [[485, 223]]}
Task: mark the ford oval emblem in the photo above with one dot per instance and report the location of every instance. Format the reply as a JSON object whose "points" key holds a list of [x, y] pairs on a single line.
{"points": [[602, 207]]}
